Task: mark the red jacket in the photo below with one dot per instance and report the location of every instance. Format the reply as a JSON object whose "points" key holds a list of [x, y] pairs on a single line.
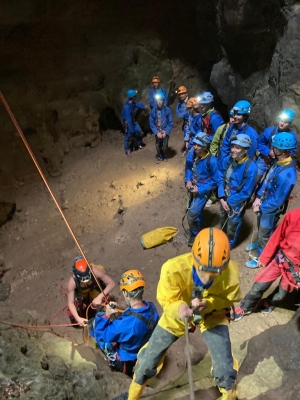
{"points": [[286, 237]]}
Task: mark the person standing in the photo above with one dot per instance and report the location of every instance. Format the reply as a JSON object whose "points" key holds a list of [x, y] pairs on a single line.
{"points": [[279, 259], [201, 178], [241, 111], [133, 131], [205, 284], [156, 88], [193, 124], [161, 123], [217, 140], [274, 192], [264, 143], [211, 120], [236, 182]]}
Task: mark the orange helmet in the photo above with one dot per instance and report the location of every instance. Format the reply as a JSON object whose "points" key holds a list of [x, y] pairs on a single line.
{"points": [[131, 280], [211, 251], [193, 102], [155, 79], [81, 269], [181, 90]]}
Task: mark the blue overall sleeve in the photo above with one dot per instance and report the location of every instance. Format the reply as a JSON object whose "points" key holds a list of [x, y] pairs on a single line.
{"points": [[263, 141], [169, 119], [216, 120], [152, 122], [187, 130], [181, 110], [279, 190], [189, 165], [225, 148], [220, 177], [127, 116], [141, 106]]}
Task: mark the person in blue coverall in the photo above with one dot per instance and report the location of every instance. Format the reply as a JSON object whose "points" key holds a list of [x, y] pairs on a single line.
{"points": [[156, 88], [273, 195], [241, 111], [161, 123], [210, 119], [201, 178], [193, 124], [121, 338], [266, 154], [236, 182], [181, 108], [133, 131]]}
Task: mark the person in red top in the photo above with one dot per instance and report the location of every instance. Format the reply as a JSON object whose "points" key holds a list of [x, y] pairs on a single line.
{"points": [[280, 258]]}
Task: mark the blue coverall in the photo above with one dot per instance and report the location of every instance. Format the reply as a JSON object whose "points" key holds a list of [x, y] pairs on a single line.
{"points": [[232, 130], [273, 193], [182, 112], [191, 128], [160, 119], [129, 332], [264, 147], [202, 172], [210, 123], [236, 182], [132, 128], [151, 96]]}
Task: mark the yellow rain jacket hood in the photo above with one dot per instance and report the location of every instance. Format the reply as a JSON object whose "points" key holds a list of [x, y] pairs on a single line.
{"points": [[175, 288]]}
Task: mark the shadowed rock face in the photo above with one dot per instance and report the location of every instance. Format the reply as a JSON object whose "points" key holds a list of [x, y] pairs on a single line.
{"points": [[261, 62], [48, 367]]}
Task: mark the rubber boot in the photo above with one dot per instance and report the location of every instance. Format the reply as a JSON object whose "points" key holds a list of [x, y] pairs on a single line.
{"points": [[231, 394], [135, 390]]}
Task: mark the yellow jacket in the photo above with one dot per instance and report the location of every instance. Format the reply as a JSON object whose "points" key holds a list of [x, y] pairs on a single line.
{"points": [[175, 288]]}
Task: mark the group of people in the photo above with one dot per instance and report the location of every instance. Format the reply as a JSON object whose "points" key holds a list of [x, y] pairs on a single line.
{"points": [[199, 288]]}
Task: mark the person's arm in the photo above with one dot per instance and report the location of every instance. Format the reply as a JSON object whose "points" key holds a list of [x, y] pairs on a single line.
{"points": [[216, 121], [169, 121], [189, 168], [110, 284], [71, 299], [284, 186], [151, 99], [141, 106], [225, 148], [152, 123], [263, 142], [220, 179], [181, 110], [276, 238]]}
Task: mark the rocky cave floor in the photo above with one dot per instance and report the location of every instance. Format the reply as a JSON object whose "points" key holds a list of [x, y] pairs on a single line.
{"points": [[110, 200]]}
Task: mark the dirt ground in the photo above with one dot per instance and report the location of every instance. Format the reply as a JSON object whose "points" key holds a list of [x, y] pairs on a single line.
{"points": [[96, 185]]}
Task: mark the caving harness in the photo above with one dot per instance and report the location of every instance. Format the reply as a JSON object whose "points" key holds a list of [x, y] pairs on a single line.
{"points": [[205, 122], [282, 258]]}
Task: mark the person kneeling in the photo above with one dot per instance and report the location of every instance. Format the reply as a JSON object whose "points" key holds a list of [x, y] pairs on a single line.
{"points": [[121, 338]]}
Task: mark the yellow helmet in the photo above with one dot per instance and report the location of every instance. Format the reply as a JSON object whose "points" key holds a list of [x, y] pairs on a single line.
{"points": [[211, 251], [181, 90], [155, 79], [193, 102], [131, 280]]}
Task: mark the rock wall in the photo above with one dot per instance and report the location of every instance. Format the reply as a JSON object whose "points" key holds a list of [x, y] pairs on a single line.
{"points": [[261, 57]]}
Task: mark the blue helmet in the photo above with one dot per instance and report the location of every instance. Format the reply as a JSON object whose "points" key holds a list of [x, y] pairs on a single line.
{"points": [[159, 95], [131, 93], [231, 113], [202, 139], [242, 107], [284, 141], [242, 140], [206, 98], [287, 116]]}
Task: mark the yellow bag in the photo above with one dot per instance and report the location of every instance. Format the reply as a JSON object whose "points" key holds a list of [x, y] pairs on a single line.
{"points": [[158, 236]]}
